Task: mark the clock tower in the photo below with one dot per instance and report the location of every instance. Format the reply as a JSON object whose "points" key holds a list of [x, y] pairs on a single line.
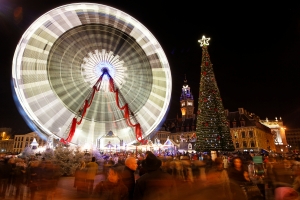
{"points": [[186, 102]]}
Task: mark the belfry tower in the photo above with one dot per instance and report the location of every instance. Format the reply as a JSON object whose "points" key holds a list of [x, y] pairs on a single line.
{"points": [[186, 102]]}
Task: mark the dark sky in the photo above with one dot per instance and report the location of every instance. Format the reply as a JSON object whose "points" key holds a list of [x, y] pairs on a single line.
{"points": [[254, 48]]}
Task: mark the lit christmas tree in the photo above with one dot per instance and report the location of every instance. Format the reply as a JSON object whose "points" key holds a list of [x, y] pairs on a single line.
{"points": [[213, 132]]}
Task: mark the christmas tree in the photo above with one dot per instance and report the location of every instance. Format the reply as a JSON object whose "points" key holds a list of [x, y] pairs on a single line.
{"points": [[213, 132]]}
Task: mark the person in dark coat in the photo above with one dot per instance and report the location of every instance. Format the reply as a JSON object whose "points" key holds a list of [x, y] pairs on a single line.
{"points": [[238, 172], [155, 184], [128, 177], [142, 170]]}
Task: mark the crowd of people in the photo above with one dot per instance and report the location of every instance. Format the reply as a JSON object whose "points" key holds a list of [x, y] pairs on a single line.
{"points": [[158, 176], [19, 175]]}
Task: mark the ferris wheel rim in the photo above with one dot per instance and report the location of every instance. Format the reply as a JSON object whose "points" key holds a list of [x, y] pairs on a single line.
{"points": [[23, 46]]}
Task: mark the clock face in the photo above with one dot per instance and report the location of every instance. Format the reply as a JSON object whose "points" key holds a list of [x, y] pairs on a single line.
{"points": [[189, 103], [183, 104]]}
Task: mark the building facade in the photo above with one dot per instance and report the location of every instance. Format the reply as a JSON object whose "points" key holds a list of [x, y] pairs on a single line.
{"points": [[278, 133], [22, 141], [248, 134], [6, 145], [293, 140]]}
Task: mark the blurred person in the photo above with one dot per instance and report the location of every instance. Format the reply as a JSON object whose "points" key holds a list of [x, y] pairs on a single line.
{"points": [[128, 177], [237, 172], [5, 173], [286, 193], [208, 163], [218, 178], [19, 177], [113, 188], [225, 162], [12, 163], [216, 186], [240, 176], [155, 184], [80, 181], [296, 183], [282, 175], [49, 178], [91, 171], [33, 177], [142, 171]]}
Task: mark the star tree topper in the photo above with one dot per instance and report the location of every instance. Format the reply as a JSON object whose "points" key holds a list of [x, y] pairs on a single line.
{"points": [[204, 41]]}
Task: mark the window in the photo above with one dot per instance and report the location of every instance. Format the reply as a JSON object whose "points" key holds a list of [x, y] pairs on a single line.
{"points": [[237, 145], [242, 123], [243, 134], [251, 134], [252, 143], [233, 124], [244, 144]]}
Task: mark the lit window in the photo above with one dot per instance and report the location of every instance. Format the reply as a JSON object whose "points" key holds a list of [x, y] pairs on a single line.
{"points": [[233, 124]]}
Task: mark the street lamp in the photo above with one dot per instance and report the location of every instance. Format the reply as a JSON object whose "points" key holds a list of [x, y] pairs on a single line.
{"points": [[289, 147]]}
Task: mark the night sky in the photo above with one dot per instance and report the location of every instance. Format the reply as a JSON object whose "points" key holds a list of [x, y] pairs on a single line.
{"points": [[254, 48]]}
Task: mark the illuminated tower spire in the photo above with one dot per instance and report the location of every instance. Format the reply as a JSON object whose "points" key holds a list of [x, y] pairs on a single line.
{"points": [[186, 102], [213, 132]]}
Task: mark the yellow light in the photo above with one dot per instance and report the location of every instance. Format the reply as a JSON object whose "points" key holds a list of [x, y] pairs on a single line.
{"points": [[204, 41]]}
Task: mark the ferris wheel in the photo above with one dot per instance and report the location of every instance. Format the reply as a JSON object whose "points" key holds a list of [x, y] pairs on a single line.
{"points": [[82, 70]]}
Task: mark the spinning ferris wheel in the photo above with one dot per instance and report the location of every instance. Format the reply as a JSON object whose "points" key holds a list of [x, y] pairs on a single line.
{"points": [[82, 70]]}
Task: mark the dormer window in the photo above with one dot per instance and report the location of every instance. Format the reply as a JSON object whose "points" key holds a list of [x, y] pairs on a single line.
{"points": [[233, 124], [242, 123]]}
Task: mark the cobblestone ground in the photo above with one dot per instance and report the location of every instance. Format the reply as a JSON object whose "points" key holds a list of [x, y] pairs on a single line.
{"points": [[66, 191], [63, 191]]}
